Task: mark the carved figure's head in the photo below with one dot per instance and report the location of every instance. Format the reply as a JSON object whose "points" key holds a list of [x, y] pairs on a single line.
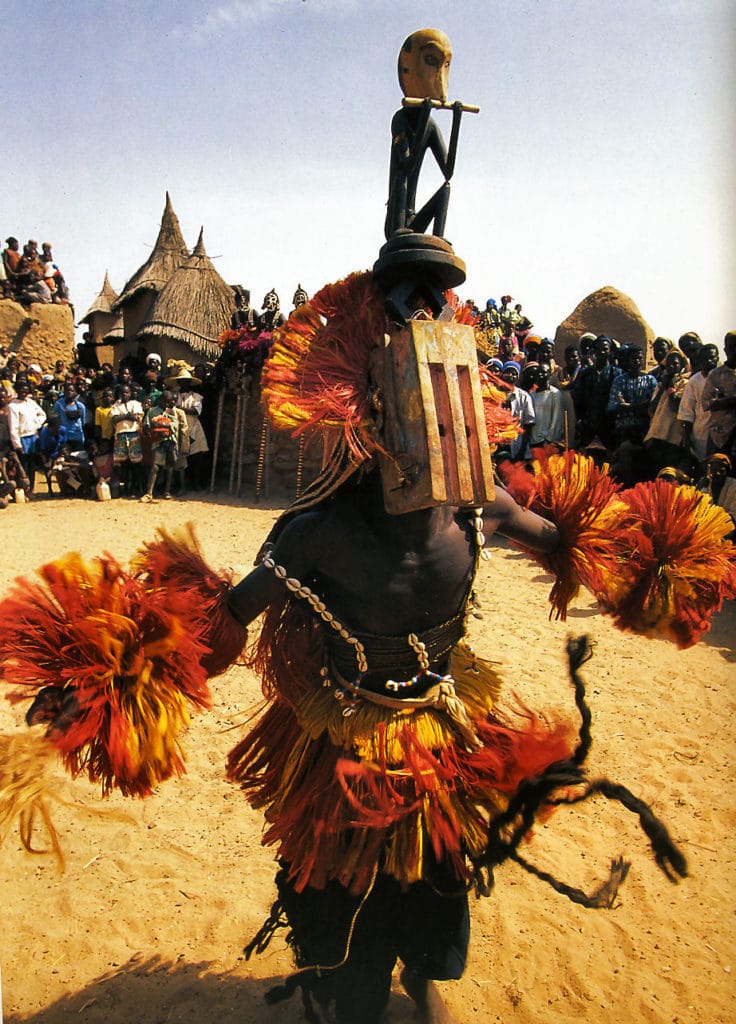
{"points": [[300, 297], [271, 301], [424, 65]]}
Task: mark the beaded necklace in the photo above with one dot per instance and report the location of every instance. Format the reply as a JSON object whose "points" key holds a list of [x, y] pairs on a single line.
{"points": [[350, 691]]}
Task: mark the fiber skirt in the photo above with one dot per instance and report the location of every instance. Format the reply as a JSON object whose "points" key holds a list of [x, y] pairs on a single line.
{"points": [[390, 789]]}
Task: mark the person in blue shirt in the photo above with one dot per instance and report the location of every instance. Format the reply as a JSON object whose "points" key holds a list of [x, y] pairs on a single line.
{"points": [[51, 442], [72, 414]]}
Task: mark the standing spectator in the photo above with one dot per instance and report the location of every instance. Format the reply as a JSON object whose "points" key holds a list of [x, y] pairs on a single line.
{"points": [[631, 392], [719, 398], [663, 439], [25, 418], [189, 399], [169, 434], [546, 355], [49, 399], [591, 392], [104, 426], [508, 345], [660, 348], [720, 485], [563, 379], [126, 416], [520, 405], [693, 415], [691, 344], [586, 344], [5, 445], [531, 348], [566, 375], [549, 419], [73, 415]]}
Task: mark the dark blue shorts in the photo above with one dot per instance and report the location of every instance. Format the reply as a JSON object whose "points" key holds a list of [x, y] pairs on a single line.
{"points": [[427, 927]]}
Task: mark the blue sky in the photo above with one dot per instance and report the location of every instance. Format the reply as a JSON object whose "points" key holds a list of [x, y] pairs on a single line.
{"points": [[603, 153]]}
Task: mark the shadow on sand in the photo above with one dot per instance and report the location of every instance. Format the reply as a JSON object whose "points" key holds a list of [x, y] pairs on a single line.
{"points": [[153, 991]]}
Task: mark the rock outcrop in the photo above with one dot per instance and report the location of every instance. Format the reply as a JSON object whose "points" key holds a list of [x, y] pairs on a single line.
{"points": [[41, 333], [606, 311]]}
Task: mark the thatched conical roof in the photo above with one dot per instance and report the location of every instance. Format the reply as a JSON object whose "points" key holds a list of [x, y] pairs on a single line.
{"points": [[167, 256], [194, 307], [103, 303]]}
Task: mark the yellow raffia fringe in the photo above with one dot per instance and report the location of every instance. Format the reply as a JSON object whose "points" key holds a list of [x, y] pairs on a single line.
{"points": [[26, 787], [477, 684]]}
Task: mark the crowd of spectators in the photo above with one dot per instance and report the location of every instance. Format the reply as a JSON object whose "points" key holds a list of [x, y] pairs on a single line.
{"points": [[676, 420], [104, 433], [30, 276], [139, 433]]}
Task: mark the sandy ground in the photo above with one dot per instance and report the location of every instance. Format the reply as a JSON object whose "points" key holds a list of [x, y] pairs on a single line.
{"points": [[149, 920]]}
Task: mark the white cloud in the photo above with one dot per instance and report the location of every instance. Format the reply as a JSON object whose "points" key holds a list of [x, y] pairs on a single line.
{"points": [[229, 17]]}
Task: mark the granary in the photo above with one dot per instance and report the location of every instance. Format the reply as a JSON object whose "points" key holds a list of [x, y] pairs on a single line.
{"points": [[137, 298], [104, 327], [193, 307]]}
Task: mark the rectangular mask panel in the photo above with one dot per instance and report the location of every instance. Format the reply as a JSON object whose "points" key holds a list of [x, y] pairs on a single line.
{"points": [[433, 419]]}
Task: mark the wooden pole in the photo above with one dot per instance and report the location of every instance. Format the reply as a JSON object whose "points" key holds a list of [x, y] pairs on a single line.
{"points": [[218, 427], [241, 439], [236, 442]]}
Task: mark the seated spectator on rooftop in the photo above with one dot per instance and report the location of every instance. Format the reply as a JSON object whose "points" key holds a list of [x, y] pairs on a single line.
{"points": [[33, 289], [53, 276], [6, 289], [11, 256]]}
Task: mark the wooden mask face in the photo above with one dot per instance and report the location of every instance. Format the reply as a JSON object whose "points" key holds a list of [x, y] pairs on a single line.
{"points": [[424, 65]]}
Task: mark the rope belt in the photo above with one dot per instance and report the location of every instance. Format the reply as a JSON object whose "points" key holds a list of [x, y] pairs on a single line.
{"points": [[441, 696]]}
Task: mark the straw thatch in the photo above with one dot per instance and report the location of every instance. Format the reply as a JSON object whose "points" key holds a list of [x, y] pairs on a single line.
{"points": [[103, 303], [115, 333], [168, 254], [194, 307]]}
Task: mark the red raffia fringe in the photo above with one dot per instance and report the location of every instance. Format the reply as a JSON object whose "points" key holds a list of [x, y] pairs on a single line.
{"points": [[330, 813], [127, 660], [318, 376], [655, 556], [572, 492], [675, 566], [174, 562]]}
